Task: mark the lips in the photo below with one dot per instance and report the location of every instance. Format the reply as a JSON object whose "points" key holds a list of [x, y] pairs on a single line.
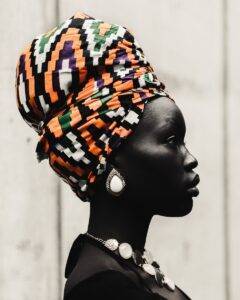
{"points": [[191, 188], [195, 181]]}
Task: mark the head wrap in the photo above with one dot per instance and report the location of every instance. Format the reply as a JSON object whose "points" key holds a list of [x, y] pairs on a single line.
{"points": [[82, 86]]}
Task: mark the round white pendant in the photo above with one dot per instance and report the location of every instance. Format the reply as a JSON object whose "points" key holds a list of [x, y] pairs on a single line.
{"points": [[169, 283], [111, 244], [125, 250], [149, 269]]}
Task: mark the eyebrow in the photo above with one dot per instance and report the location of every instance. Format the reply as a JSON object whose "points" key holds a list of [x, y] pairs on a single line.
{"points": [[171, 123]]}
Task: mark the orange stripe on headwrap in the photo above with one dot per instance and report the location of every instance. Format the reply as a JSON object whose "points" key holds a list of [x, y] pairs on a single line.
{"points": [[88, 82]]}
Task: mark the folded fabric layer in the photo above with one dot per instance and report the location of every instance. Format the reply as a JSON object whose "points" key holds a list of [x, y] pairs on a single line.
{"points": [[83, 86]]}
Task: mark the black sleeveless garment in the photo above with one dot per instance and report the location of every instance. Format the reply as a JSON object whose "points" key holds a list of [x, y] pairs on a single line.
{"points": [[108, 284]]}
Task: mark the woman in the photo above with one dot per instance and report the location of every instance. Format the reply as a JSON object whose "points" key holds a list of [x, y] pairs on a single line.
{"points": [[109, 130]]}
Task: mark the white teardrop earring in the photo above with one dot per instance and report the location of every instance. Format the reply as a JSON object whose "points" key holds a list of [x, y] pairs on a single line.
{"points": [[115, 183]]}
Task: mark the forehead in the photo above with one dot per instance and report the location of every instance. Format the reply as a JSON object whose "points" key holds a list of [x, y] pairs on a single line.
{"points": [[162, 112]]}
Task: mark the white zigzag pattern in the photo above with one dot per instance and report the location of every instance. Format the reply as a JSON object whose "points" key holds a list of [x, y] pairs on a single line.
{"points": [[90, 38], [40, 58]]}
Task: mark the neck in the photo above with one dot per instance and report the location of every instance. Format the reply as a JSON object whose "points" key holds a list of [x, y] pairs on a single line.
{"points": [[114, 218]]}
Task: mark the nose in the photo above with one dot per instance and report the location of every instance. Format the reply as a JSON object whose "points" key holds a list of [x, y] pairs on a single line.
{"points": [[190, 161]]}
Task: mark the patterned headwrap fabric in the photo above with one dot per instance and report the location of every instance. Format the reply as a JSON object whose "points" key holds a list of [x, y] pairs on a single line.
{"points": [[82, 86]]}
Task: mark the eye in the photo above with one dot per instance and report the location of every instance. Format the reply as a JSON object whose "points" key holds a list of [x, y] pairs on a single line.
{"points": [[172, 140]]}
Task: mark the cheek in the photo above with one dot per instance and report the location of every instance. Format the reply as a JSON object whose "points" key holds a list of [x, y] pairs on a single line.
{"points": [[156, 168], [156, 173], [163, 163]]}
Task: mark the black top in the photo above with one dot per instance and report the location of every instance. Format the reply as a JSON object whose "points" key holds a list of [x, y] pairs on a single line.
{"points": [[91, 279]]}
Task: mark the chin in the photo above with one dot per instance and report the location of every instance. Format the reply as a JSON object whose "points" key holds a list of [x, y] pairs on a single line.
{"points": [[179, 209], [186, 207]]}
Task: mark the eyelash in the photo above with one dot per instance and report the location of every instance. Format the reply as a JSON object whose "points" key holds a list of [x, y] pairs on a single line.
{"points": [[176, 141]]}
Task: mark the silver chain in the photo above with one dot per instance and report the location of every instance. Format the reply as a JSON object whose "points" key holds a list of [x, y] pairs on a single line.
{"points": [[96, 238]]}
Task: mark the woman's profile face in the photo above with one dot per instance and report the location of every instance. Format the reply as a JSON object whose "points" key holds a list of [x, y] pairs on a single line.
{"points": [[156, 164]]}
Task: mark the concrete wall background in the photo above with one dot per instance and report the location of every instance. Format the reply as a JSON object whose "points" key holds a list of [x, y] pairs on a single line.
{"points": [[194, 49]]}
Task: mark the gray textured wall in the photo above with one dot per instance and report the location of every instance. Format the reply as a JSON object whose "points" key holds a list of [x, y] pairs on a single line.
{"points": [[194, 47]]}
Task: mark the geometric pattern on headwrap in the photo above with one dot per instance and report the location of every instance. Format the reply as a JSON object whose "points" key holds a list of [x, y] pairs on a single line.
{"points": [[82, 87]]}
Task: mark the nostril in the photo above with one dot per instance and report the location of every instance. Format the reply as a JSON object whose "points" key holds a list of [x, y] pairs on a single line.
{"points": [[191, 163], [194, 163]]}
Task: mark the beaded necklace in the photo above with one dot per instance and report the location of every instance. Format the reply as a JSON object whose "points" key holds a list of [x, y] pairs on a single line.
{"points": [[144, 261]]}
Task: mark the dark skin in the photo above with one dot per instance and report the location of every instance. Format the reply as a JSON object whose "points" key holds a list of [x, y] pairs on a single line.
{"points": [[157, 168]]}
